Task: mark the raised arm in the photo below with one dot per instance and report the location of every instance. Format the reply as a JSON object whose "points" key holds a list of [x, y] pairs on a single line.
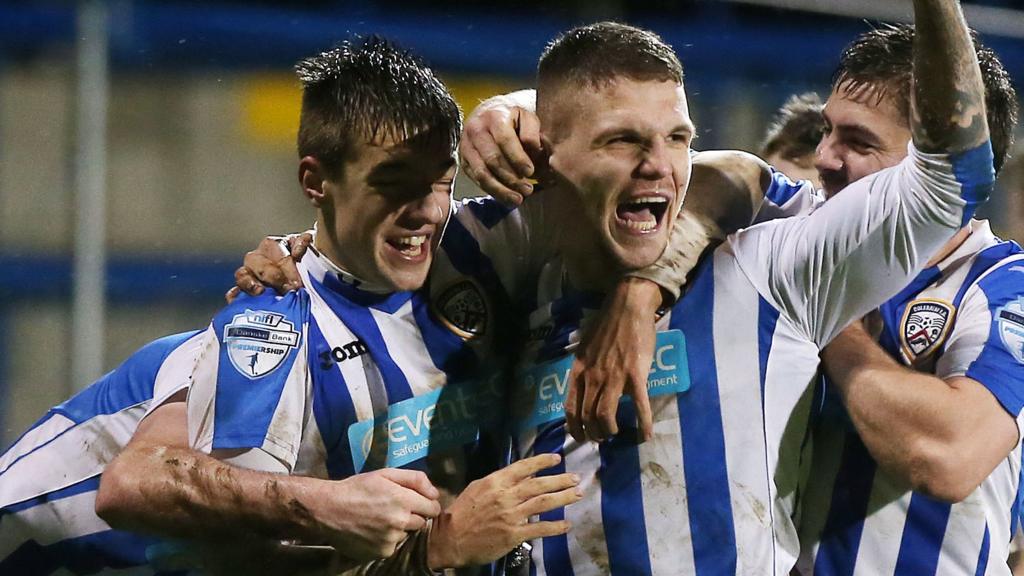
{"points": [[869, 241]]}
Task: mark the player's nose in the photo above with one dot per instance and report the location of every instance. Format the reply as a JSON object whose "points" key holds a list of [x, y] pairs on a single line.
{"points": [[826, 157], [656, 163]]}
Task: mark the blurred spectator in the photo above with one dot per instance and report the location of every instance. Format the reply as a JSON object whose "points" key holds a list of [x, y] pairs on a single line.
{"points": [[793, 136]]}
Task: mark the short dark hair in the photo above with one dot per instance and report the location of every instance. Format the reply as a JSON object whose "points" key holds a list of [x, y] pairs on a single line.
{"points": [[796, 129], [369, 91], [882, 60], [596, 54]]}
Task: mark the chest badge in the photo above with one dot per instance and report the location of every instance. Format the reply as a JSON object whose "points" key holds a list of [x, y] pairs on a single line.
{"points": [[925, 326], [258, 341], [1011, 328], [462, 308]]}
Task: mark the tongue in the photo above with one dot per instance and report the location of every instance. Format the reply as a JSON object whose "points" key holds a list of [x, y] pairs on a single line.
{"points": [[634, 213]]}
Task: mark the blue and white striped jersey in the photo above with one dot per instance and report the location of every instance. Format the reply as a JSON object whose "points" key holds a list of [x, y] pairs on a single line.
{"points": [[49, 476], [332, 380], [962, 317], [713, 492]]}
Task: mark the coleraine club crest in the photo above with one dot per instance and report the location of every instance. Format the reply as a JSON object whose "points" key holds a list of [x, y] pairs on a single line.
{"points": [[258, 341], [462, 309], [925, 325]]}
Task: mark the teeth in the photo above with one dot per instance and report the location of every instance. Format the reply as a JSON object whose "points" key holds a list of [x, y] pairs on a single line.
{"points": [[651, 200], [641, 226], [411, 245], [412, 240]]}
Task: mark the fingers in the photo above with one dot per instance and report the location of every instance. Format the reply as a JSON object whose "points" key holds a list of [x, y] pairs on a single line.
{"points": [[534, 487], [246, 281], [638, 391], [512, 149], [536, 530], [415, 522], [232, 293], [574, 402], [529, 136], [475, 168], [527, 467], [604, 424], [290, 272], [591, 410], [413, 480], [297, 245], [552, 501]]}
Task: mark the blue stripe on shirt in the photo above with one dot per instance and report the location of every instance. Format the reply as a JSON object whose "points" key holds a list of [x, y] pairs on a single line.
{"points": [[974, 171], [781, 189], [996, 367], [622, 504], [983, 554], [551, 439], [700, 420], [360, 321], [127, 385], [88, 485], [332, 403], [89, 554], [487, 211], [922, 536], [840, 539], [448, 352]]}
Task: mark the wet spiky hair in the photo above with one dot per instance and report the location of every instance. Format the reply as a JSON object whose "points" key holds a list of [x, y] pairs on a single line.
{"points": [[370, 91], [881, 63]]}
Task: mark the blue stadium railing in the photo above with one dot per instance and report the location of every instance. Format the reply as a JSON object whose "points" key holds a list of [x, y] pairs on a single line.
{"points": [[149, 34]]}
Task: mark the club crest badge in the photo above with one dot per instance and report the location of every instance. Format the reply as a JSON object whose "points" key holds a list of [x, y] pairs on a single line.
{"points": [[925, 326], [462, 309], [258, 341], [1010, 319]]}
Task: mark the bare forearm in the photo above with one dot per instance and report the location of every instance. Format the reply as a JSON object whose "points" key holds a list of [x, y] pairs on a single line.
{"points": [[948, 98], [178, 492], [912, 423], [888, 404]]}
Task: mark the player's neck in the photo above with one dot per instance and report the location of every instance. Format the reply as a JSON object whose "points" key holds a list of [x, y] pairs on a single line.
{"points": [[959, 238]]}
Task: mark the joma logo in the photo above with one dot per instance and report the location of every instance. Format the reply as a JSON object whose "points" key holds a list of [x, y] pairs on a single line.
{"points": [[339, 354]]}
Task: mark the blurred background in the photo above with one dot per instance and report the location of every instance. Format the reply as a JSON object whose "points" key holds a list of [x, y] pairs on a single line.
{"points": [[145, 146]]}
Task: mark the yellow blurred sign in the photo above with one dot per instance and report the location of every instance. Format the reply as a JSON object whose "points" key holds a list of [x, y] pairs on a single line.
{"points": [[271, 103]]}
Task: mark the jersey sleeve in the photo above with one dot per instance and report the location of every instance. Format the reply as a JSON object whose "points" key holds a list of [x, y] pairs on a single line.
{"points": [[987, 341], [784, 197], [831, 267], [175, 373], [250, 386]]}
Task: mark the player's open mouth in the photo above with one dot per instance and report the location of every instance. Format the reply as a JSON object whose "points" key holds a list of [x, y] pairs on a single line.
{"points": [[410, 247], [641, 215]]}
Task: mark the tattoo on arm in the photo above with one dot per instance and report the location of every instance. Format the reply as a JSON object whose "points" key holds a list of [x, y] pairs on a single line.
{"points": [[948, 99]]}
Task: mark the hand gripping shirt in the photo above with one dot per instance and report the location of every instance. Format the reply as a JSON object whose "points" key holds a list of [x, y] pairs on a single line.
{"points": [[961, 317], [713, 492], [50, 475]]}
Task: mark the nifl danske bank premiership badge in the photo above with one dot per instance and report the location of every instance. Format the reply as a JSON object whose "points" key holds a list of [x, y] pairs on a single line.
{"points": [[258, 341], [1011, 328]]}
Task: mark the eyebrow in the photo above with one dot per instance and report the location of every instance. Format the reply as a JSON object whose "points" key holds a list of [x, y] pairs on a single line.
{"points": [[686, 127], [391, 167]]}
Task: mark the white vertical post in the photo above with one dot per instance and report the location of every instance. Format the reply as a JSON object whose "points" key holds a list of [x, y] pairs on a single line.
{"points": [[89, 307]]}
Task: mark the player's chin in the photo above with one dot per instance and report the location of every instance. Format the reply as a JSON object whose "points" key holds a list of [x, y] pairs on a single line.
{"points": [[407, 276], [636, 252]]}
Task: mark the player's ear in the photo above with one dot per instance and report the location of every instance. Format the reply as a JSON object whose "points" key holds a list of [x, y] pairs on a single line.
{"points": [[312, 176]]}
